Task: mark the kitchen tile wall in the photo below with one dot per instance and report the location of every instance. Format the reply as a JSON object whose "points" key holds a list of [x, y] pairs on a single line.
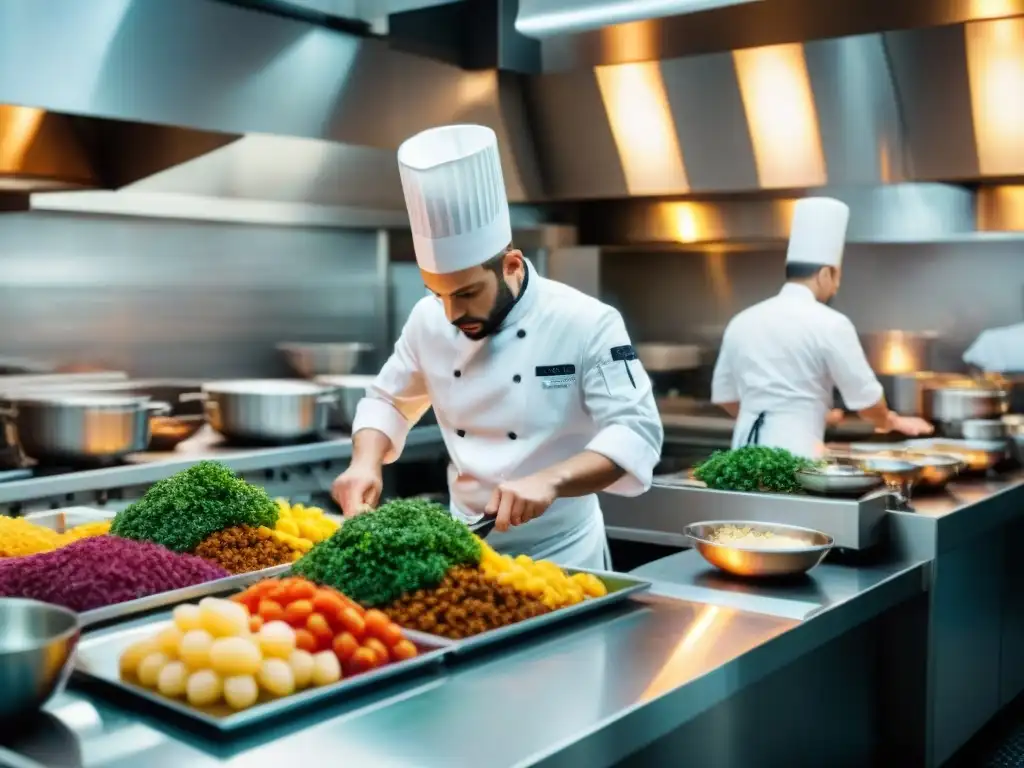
{"points": [[175, 298], [956, 289]]}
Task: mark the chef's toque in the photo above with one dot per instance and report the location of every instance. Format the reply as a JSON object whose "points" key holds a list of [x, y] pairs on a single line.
{"points": [[818, 232], [455, 196]]}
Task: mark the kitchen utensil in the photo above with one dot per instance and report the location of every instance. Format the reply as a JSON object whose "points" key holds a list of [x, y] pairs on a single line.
{"points": [[37, 643], [167, 431], [669, 357], [837, 479], [960, 403], [937, 469], [983, 429], [310, 360], [977, 455], [267, 410], [899, 474], [80, 428], [350, 390], [747, 561], [899, 352], [905, 391]]}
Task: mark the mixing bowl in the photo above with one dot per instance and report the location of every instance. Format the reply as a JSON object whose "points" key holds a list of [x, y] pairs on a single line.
{"points": [[37, 643]]}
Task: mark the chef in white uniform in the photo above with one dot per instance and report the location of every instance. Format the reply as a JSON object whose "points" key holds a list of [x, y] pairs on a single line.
{"points": [[781, 359], [998, 350], [539, 394]]}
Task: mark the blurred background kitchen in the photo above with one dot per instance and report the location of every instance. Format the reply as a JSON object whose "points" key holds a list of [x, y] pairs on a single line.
{"points": [[208, 190]]}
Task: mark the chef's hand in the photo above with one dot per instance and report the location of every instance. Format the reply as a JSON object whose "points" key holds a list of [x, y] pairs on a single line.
{"points": [[909, 425], [835, 416], [357, 489], [519, 501]]}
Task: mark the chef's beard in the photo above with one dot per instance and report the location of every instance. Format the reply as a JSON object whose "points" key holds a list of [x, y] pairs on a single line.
{"points": [[503, 304]]}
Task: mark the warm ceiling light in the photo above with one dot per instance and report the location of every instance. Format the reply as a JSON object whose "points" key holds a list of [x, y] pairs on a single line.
{"points": [[781, 116], [995, 70], [19, 127], [641, 122], [687, 222]]}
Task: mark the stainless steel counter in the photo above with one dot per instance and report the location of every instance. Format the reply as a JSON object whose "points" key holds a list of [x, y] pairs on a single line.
{"points": [[589, 694]]}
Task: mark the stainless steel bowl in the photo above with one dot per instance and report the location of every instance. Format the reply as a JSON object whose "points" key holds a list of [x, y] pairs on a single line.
{"points": [[350, 390], [837, 480], [310, 360], [37, 643], [937, 469], [983, 429], [79, 428], [267, 410], [747, 561], [168, 431]]}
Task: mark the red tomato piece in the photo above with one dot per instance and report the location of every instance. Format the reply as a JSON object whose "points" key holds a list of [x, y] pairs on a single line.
{"points": [[270, 610], [353, 622], [297, 613], [305, 641], [379, 650], [363, 660], [320, 629], [344, 646], [404, 649]]}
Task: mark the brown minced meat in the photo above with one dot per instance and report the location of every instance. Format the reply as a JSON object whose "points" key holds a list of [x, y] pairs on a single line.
{"points": [[466, 603], [242, 548]]}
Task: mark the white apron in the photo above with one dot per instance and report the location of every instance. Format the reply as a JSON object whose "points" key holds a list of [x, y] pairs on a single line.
{"points": [[798, 429]]}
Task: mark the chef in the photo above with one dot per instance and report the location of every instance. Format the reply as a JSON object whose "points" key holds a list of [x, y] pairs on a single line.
{"points": [[781, 359], [538, 391], [998, 350]]}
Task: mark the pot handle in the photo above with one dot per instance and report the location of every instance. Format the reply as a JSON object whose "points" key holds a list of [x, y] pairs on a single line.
{"points": [[330, 398], [158, 408], [191, 397]]}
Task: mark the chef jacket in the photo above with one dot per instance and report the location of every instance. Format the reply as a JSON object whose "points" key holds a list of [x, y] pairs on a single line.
{"points": [[559, 377], [781, 360], [998, 350]]}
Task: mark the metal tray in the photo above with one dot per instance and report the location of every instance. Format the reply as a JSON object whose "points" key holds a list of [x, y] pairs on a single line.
{"points": [[96, 667], [143, 605], [620, 587], [60, 520]]}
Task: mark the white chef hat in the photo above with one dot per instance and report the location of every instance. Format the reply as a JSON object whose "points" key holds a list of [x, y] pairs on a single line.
{"points": [[818, 232], [455, 196]]}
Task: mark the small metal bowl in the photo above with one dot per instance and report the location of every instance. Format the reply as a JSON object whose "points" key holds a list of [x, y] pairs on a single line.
{"points": [[165, 432], [748, 561], [983, 429], [837, 480], [937, 469], [37, 643]]}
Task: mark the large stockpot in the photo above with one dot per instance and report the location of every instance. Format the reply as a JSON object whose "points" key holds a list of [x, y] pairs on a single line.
{"points": [[79, 428], [905, 392], [267, 410], [960, 403]]}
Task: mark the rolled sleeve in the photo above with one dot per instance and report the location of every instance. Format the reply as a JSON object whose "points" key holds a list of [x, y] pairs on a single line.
{"points": [[398, 397], [849, 367], [620, 399]]}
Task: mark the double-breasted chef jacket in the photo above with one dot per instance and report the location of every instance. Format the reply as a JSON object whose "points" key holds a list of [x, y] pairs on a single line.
{"points": [[559, 377], [781, 359]]}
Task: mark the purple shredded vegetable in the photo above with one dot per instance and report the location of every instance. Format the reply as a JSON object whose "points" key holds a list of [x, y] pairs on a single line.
{"points": [[100, 571]]}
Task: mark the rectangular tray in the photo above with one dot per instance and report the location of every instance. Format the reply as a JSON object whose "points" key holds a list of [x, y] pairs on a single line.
{"points": [[620, 587], [96, 667], [143, 605], [60, 520]]}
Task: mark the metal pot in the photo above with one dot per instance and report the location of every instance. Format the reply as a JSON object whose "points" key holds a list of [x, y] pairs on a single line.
{"points": [[267, 410], [983, 429], [956, 404], [905, 392], [79, 428], [311, 360], [350, 390]]}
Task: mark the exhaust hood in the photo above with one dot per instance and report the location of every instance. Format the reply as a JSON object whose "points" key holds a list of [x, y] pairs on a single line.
{"points": [[545, 18], [41, 151]]}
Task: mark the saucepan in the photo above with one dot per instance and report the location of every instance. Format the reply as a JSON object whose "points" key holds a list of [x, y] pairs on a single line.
{"points": [[838, 480]]}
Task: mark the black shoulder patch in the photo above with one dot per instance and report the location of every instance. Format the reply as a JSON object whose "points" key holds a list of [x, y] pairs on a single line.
{"points": [[624, 353]]}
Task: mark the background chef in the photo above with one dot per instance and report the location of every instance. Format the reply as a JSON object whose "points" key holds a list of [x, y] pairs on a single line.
{"points": [[536, 387], [998, 350], [781, 359]]}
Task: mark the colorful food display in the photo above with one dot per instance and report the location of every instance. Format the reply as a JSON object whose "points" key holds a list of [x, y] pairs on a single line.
{"points": [[183, 510], [276, 638], [300, 527], [402, 546], [427, 571], [100, 571], [20, 537]]}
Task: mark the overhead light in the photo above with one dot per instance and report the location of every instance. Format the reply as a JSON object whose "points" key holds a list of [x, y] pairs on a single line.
{"points": [[544, 18], [995, 71], [642, 127], [781, 116]]}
